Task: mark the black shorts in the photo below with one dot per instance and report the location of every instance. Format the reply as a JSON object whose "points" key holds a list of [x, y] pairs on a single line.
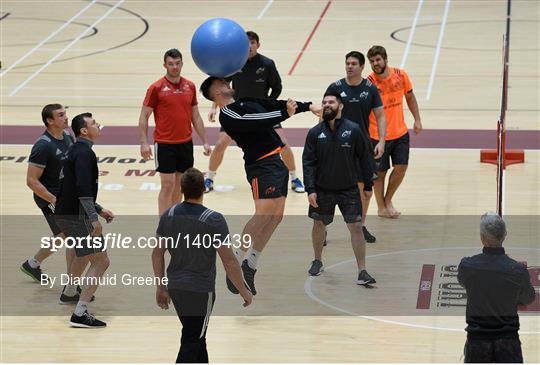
{"points": [[397, 149], [51, 220], [277, 126], [75, 227], [502, 350], [348, 202], [268, 178], [171, 158]]}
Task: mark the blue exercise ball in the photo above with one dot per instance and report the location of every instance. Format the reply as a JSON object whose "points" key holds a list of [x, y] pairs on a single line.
{"points": [[220, 47]]}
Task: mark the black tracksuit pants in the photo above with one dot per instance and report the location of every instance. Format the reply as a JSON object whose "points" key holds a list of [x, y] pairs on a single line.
{"points": [[193, 309]]}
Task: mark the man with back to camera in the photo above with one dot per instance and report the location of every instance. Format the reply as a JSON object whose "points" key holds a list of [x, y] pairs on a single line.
{"points": [[191, 272], [495, 285], [336, 154], [258, 76], [43, 178], [361, 97], [173, 101], [250, 122], [393, 84], [78, 213]]}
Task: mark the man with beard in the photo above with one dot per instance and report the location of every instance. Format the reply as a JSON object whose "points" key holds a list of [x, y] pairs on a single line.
{"points": [[334, 148], [173, 100], [361, 97], [393, 84], [250, 122]]}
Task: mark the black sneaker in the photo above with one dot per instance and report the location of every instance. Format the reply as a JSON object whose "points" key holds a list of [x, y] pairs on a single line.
{"points": [[86, 321], [231, 286], [73, 299], [368, 236], [316, 268], [364, 278], [66, 299], [249, 276], [33, 273]]}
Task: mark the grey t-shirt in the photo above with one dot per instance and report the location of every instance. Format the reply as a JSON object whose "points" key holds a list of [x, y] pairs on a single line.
{"points": [[196, 231]]}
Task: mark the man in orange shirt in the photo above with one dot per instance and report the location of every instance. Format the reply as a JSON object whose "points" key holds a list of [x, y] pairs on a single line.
{"points": [[393, 84], [173, 100]]}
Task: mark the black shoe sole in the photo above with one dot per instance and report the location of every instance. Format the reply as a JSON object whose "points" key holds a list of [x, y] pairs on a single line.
{"points": [[317, 274], [250, 286], [369, 237], [231, 286], [366, 282], [32, 276]]}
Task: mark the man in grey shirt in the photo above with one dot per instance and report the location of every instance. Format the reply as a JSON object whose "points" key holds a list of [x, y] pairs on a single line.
{"points": [[191, 274]]}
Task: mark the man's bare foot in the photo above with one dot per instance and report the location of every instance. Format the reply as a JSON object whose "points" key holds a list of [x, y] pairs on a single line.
{"points": [[384, 213], [392, 211]]}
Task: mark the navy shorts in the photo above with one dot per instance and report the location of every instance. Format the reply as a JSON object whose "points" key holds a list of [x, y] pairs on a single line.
{"points": [[77, 227], [48, 213], [396, 149], [172, 158], [268, 178], [348, 202]]}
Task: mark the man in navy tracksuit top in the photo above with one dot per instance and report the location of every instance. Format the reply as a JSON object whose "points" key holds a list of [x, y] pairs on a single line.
{"points": [[78, 213], [250, 123], [334, 148]]}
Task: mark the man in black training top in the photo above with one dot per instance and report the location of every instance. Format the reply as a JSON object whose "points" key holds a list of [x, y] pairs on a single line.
{"points": [[191, 273], [360, 98], [259, 78], [336, 155], [495, 285], [250, 122], [78, 213]]}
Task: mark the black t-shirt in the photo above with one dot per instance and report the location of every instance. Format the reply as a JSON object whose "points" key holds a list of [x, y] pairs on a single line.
{"points": [[78, 179], [49, 153], [196, 231], [256, 78], [358, 101]]}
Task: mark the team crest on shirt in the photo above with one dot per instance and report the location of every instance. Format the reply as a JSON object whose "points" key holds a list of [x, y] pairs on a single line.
{"points": [[346, 134], [364, 95], [260, 70]]}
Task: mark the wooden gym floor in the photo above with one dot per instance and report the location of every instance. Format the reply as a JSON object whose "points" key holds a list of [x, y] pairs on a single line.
{"points": [[454, 61]]}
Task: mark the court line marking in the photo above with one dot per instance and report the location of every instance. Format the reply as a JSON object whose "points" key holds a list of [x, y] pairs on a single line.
{"points": [[309, 37], [308, 290], [63, 50], [438, 50], [47, 38], [261, 14], [411, 34]]}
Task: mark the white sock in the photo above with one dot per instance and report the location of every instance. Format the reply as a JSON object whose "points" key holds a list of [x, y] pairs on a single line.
{"points": [[293, 175], [33, 263], [239, 254], [253, 258], [70, 290], [81, 308], [210, 175]]}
